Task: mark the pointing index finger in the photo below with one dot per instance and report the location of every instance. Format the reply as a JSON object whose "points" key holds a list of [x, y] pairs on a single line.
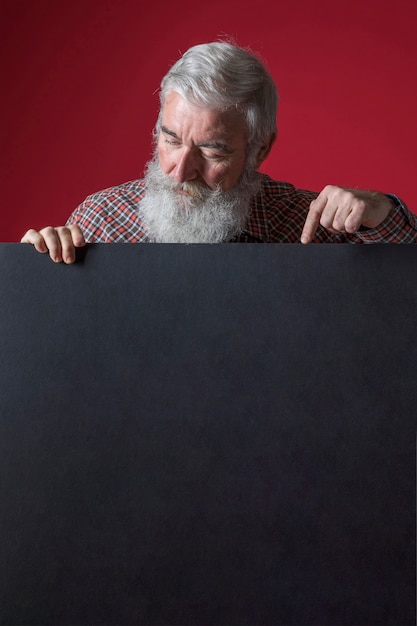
{"points": [[313, 218]]}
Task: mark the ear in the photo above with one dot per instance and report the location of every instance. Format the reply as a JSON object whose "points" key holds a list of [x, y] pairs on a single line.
{"points": [[265, 150]]}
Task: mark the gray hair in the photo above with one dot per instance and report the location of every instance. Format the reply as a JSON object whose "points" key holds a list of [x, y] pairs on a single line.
{"points": [[222, 76]]}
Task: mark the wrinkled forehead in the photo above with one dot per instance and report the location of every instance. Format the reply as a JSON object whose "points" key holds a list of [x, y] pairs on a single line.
{"points": [[178, 113]]}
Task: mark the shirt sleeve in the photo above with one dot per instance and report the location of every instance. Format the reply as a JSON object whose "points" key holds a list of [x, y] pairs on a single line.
{"points": [[111, 215], [399, 227], [88, 217]]}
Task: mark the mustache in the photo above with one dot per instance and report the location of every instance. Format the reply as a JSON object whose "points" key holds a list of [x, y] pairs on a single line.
{"points": [[194, 190]]}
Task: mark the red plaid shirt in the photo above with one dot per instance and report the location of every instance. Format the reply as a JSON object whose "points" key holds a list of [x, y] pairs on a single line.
{"points": [[277, 215]]}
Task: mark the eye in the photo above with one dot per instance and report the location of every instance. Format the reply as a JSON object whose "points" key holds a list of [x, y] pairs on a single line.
{"points": [[172, 142], [214, 156]]}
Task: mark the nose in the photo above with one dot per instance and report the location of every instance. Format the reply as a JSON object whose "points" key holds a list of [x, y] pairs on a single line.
{"points": [[185, 166]]}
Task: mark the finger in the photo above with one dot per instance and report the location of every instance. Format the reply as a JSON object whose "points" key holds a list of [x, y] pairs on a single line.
{"points": [[355, 218], [344, 211], [313, 218], [53, 243], [334, 218], [65, 235], [77, 235], [347, 215], [71, 237], [337, 209], [33, 237]]}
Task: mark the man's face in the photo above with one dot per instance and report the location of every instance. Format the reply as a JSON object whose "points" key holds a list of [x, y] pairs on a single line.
{"points": [[199, 184], [201, 146]]}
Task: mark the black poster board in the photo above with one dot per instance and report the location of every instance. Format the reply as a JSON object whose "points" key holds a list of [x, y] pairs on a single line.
{"points": [[208, 435]]}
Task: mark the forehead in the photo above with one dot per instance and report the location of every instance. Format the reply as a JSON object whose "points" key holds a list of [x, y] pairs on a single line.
{"points": [[188, 120]]}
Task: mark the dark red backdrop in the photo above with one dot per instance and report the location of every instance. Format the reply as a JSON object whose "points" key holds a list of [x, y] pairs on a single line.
{"points": [[79, 81]]}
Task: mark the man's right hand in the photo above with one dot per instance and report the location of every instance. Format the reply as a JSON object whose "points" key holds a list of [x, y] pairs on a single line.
{"points": [[60, 241]]}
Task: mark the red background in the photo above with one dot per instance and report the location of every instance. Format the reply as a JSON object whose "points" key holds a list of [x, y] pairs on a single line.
{"points": [[79, 81]]}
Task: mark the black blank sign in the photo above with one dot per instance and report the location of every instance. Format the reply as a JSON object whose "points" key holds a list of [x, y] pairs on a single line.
{"points": [[208, 435]]}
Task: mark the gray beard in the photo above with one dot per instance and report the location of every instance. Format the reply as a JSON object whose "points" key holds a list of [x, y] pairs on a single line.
{"points": [[204, 216]]}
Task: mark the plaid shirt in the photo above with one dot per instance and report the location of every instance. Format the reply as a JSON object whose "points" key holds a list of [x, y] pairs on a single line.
{"points": [[277, 215]]}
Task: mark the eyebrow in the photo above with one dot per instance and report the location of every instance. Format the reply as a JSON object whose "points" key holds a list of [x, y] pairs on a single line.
{"points": [[215, 145]]}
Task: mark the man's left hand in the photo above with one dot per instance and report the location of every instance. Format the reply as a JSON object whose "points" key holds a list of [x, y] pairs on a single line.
{"points": [[342, 210]]}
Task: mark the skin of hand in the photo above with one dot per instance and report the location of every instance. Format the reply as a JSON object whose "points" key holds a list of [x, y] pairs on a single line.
{"points": [[60, 241], [341, 210]]}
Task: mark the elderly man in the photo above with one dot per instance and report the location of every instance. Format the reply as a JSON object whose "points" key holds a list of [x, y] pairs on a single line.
{"points": [[216, 125]]}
